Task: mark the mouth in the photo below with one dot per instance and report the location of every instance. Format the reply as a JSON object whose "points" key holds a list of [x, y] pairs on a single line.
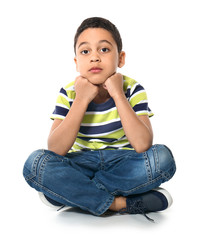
{"points": [[95, 70]]}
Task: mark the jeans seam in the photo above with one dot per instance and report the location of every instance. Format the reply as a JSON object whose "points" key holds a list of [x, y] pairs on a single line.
{"points": [[106, 206], [37, 170], [156, 160], [35, 162], [128, 192], [71, 203], [165, 174], [148, 167], [42, 167], [102, 167]]}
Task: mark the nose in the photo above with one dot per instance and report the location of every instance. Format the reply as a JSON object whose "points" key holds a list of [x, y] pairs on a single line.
{"points": [[95, 58]]}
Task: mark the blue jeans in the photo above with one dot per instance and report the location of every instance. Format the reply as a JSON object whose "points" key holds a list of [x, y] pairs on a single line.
{"points": [[90, 180]]}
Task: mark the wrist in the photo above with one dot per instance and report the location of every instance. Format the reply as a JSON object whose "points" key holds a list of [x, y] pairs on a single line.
{"points": [[119, 96], [81, 102]]}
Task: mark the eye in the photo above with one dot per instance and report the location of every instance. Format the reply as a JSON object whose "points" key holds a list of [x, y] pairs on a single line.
{"points": [[104, 50], [84, 52]]}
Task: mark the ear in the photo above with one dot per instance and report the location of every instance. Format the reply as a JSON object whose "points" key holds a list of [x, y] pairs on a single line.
{"points": [[121, 59], [75, 60]]}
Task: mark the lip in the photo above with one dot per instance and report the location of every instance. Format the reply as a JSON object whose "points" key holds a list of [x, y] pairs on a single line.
{"points": [[95, 70]]}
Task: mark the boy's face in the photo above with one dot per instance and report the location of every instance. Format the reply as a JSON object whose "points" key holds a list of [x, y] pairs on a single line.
{"points": [[97, 56]]}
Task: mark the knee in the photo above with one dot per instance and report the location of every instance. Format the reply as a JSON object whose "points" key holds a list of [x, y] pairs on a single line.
{"points": [[165, 161], [30, 166]]}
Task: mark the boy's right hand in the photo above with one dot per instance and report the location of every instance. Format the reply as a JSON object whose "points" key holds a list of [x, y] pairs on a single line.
{"points": [[85, 91]]}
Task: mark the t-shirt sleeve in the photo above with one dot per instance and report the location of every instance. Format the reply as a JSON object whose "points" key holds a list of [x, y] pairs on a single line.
{"points": [[62, 106], [138, 100]]}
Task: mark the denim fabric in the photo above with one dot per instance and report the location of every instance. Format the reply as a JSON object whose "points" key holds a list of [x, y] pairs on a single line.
{"points": [[91, 179]]}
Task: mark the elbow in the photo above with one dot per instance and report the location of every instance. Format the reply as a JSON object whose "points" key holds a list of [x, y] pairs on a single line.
{"points": [[56, 149], [142, 147]]}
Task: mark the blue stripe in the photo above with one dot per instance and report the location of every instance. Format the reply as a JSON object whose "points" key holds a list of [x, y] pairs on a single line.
{"points": [[141, 107], [61, 111], [101, 107], [63, 91], [101, 129], [128, 93], [149, 109], [137, 89]]}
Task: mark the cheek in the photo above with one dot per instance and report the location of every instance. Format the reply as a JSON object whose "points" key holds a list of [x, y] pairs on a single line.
{"points": [[79, 67], [114, 62], [113, 67], [79, 63]]}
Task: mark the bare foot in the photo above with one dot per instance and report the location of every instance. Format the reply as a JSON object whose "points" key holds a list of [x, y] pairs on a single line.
{"points": [[118, 204]]}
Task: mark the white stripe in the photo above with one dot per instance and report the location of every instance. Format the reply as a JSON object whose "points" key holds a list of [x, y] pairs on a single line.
{"points": [[99, 134], [102, 141], [75, 150], [101, 112], [143, 101], [66, 97], [96, 140], [71, 88], [122, 138], [133, 88], [142, 112], [81, 145], [57, 116]]}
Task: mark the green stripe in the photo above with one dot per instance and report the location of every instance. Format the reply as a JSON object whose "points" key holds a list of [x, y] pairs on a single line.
{"points": [[63, 100], [98, 118], [97, 145], [138, 98]]}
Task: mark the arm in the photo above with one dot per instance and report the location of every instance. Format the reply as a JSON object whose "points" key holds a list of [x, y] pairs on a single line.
{"points": [[64, 132], [138, 130]]}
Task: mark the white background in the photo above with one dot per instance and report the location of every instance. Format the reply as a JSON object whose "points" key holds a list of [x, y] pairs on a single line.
{"points": [[168, 52]]}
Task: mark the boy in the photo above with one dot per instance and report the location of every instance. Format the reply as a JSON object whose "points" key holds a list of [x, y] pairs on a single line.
{"points": [[100, 154]]}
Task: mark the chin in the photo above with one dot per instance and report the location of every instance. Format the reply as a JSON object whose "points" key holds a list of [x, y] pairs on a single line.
{"points": [[96, 81]]}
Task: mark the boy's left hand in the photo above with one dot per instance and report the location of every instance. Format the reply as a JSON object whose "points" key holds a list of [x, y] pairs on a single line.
{"points": [[114, 85]]}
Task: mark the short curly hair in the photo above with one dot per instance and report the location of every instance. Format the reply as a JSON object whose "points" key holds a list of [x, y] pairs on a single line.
{"points": [[98, 22]]}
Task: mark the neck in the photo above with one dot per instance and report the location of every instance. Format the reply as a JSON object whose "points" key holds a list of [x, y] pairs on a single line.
{"points": [[102, 96]]}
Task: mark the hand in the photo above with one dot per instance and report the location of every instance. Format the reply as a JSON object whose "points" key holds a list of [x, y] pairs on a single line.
{"points": [[85, 91], [114, 85]]}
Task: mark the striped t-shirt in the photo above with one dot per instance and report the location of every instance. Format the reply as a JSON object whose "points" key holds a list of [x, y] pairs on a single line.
{"points": [[101, 127]]}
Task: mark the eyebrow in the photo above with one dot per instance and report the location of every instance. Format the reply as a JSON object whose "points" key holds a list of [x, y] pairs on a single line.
{"points": [[101, 41]]}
